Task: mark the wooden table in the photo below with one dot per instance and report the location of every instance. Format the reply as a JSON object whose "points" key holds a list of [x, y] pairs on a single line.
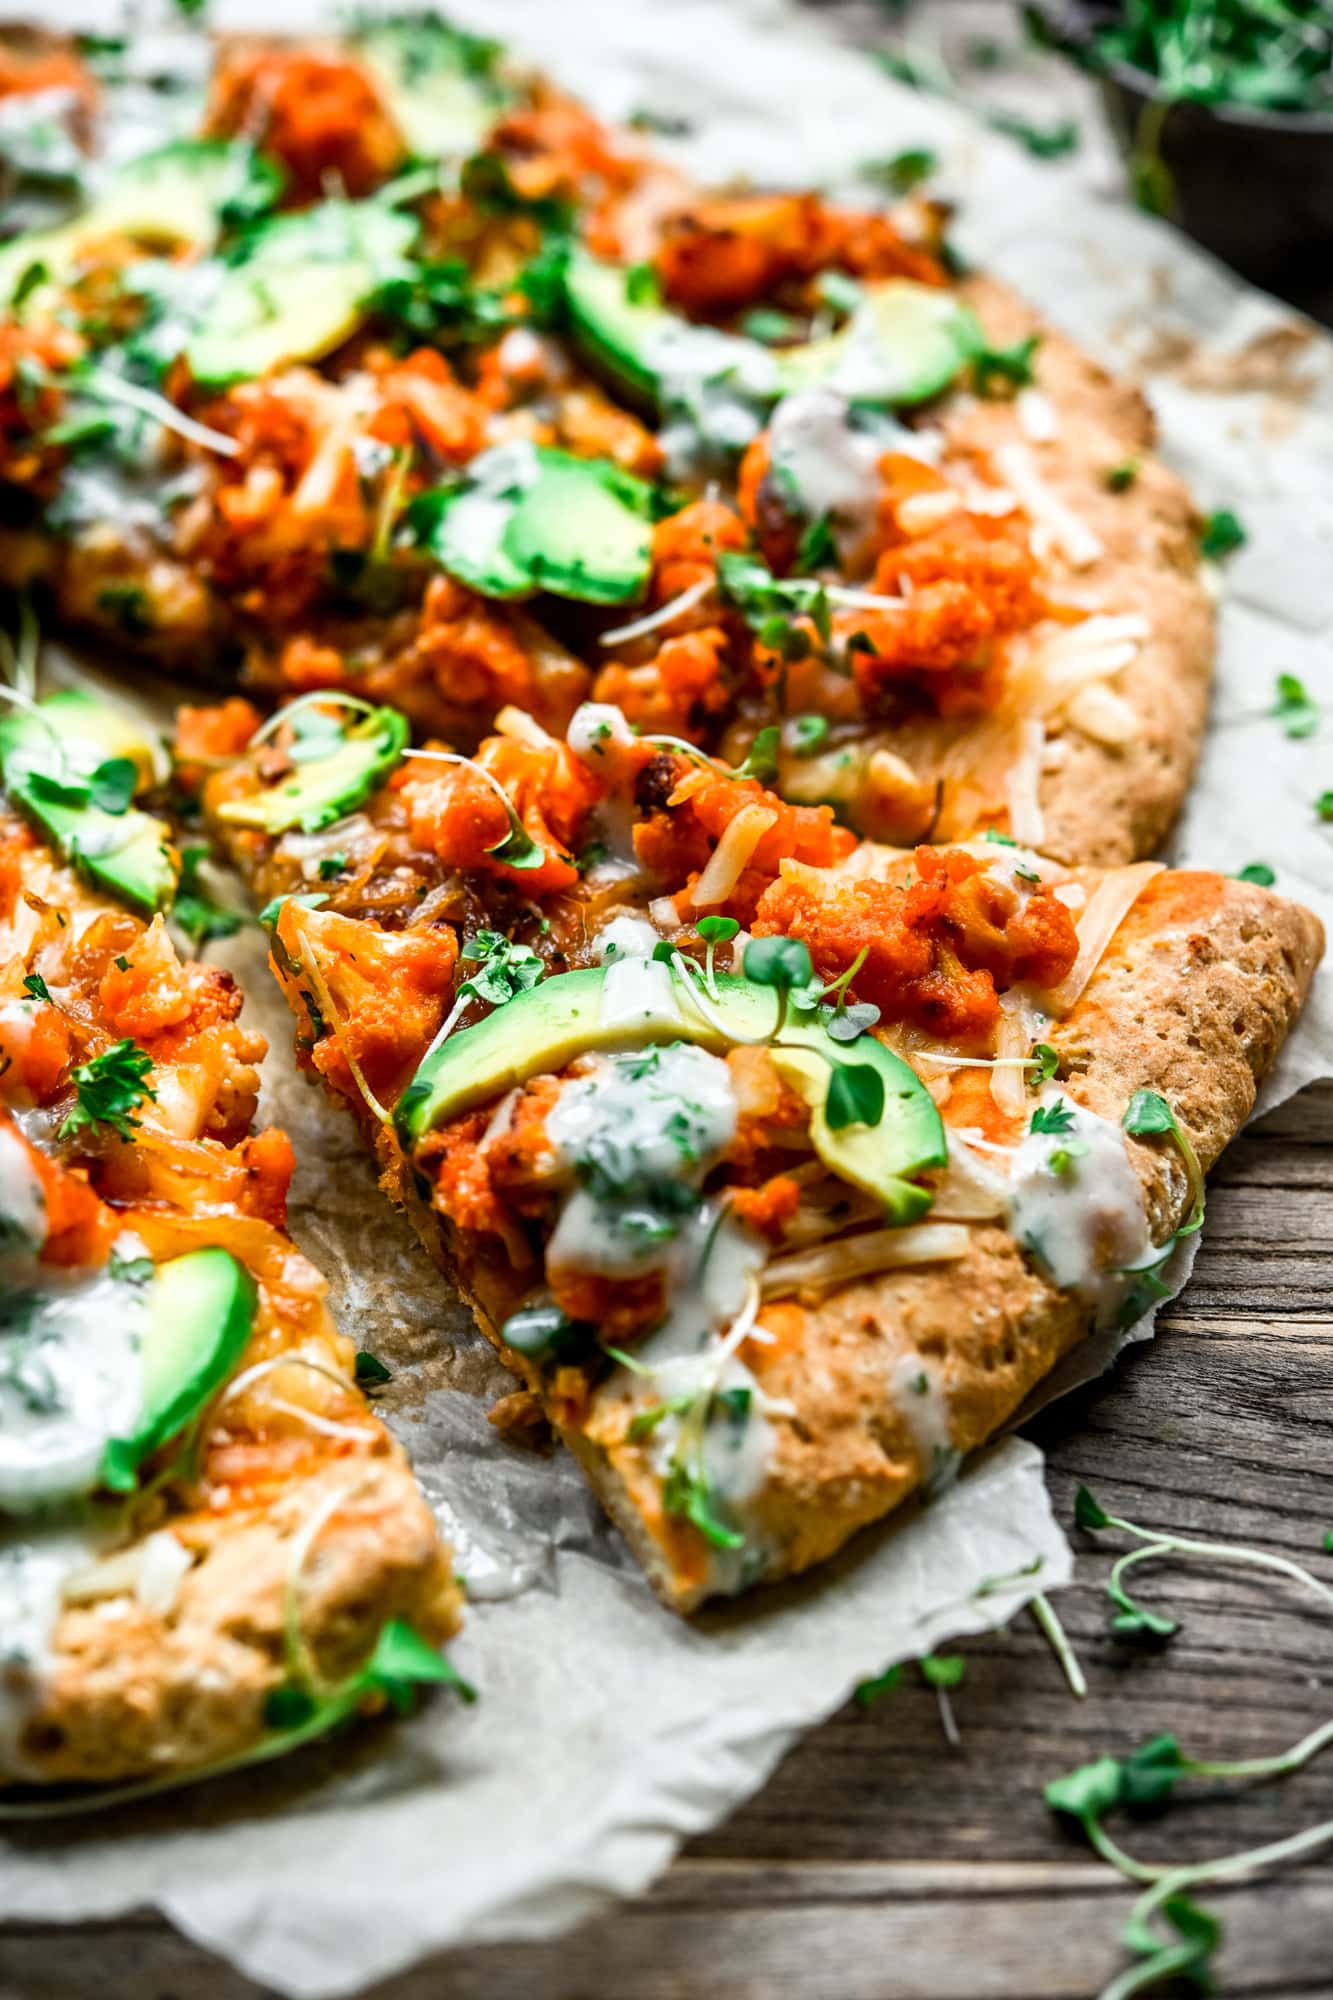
{"points": [[879, 1864]]}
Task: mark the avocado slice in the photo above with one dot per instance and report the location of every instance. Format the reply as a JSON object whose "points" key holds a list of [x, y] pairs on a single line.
{"points": [[641, 1001], [438, 82], [51, 768], [530, 518], [200, 1313], [903, 344], [329, 781], [295, 288], [184, 193]]}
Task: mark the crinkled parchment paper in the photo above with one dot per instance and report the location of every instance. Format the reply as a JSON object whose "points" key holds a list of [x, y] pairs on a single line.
{"points": [[608, 1730]]}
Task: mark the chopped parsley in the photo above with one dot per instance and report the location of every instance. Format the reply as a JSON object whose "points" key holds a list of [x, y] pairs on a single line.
{"points": [[1119, 478], [371, 1372], [109, 1090], [1052, 1118], [35, 985], [901, 172]]}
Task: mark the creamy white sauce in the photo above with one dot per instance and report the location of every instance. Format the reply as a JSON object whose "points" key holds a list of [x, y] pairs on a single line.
{"points": [[22, 1203], [71, 1374], [478, 520], [714, 389], [640, 993], [824, 454], [924, 1406], [35, 1560], [1084, 1224], [636, 1132], [625, 937], [601, 738]]}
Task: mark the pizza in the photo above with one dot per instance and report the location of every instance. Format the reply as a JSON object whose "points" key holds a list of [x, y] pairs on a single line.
{"points": [[211, 1548], [696, 681], [716, 1131], [391, 369]]}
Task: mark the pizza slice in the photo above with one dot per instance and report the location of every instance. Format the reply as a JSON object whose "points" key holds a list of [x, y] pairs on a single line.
{"points": [[758, 469], [780, 1165], [211, 1549]]}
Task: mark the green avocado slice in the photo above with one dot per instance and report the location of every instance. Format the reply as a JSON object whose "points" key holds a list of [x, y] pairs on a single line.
{"points": [[295, 288], [529, 518], [438, 81], [52, 770], [328, 785], [200, 1313], [640, 1001], [903, 344], [183, 193]]}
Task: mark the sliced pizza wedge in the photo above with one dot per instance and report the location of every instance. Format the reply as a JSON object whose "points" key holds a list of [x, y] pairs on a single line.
{"points": [[211, 1548], [780, 1166]]}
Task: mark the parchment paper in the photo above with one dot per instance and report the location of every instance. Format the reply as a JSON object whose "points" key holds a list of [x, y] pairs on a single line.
{"points": [[608, 1730]]}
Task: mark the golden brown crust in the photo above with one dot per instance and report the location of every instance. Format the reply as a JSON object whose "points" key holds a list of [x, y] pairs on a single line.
{"points": [[134, 1693], [1102, 805]]}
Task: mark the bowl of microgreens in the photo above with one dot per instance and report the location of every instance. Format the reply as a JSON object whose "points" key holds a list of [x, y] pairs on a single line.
{"points": [[1224, 110]]}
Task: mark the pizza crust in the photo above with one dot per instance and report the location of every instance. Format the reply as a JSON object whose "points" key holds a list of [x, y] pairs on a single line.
{"points": [[1102, 806]]}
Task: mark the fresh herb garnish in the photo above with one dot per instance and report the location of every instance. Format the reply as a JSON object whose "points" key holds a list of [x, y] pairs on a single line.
{"points": [[901, 172], [855, 1096], [505, 968], [1119, 478], [1294, 707], [371, 1372], [109, 1089], [761, 759], [1007, 367], [1052, 1118], [1047, 1061], [1257, 871], [1222, 535], [194, 912], [35, 985], [806, 734], [686, 1492]]}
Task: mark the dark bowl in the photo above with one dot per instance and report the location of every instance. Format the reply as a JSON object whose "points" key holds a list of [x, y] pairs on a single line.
{"points": [[1254, 187]]}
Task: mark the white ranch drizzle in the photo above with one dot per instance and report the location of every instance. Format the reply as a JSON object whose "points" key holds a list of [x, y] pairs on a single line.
{"points": [[924, 1405], [1086, 1224], [625, 936], [35, 1560], [828, 456], [71, 1374], [632, 1126]]}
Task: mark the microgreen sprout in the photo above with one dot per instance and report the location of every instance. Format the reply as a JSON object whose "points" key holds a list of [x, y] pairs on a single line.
{"points": [[1294, 707], [715, 931]]}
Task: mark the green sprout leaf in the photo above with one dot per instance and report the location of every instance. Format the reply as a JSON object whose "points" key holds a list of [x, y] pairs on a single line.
{"points": [[882, 1684], [506, 968], [761, 759], [1257, 871], [371, 1372], [943, 1670], [999, 368], [1089, 1512], [36, 986], [111, 786], [1294, 707], [1047, 1061], [1222, 535], [685, 1492]]}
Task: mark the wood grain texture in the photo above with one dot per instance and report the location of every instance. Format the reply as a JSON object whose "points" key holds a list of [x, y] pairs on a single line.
{"points": [[880, 1865]]}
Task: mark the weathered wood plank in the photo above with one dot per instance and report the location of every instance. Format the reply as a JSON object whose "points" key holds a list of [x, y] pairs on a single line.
{"points": [[983, 1931]]}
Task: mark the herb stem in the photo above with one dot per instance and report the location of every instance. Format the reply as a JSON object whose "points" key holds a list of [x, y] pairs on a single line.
{"points": [[1163, 1544], [1057, 1638]]}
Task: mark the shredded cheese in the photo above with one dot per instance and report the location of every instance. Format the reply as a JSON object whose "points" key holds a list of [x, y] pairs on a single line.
{"points": [[666, 614], [852, 1257], [1025, 816], [1103, 715], [1056, 527], [521, 727], [733, 851], [1108, 906]]}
